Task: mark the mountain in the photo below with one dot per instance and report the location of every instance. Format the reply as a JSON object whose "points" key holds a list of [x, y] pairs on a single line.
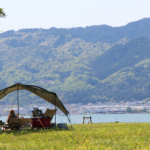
{"points": [[108, 34], [97, 63], [121, 56]]}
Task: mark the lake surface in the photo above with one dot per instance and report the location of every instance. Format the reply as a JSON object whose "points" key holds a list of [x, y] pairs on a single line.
{"points": [[99, 118]]}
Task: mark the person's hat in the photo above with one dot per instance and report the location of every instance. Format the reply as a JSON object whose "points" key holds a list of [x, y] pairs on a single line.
{"points": [[35, 107]]}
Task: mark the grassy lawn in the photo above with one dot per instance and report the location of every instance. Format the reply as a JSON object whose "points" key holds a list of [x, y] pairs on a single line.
{"points": [[116, 136]]}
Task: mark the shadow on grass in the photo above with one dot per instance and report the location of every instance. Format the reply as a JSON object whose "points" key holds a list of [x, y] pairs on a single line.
{"points": [[30, 131]]}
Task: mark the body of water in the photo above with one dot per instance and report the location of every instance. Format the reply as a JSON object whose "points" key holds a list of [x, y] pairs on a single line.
{"points": [[98, 118]]}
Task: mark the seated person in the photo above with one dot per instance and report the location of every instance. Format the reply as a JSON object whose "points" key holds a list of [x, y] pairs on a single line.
{"points": [[36, 112], [11, 115]]}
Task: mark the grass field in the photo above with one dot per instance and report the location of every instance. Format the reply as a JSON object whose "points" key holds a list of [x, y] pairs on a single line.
{"points": [[116, 136]]}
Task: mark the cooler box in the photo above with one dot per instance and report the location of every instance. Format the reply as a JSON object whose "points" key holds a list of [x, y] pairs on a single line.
{"points": [[37, 123]]}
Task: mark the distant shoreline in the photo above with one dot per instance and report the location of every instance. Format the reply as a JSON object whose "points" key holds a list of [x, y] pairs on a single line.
{"points": [[86, 114]]}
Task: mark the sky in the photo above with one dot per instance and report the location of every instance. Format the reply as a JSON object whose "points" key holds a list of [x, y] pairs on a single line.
{"points": [[22, 14]]}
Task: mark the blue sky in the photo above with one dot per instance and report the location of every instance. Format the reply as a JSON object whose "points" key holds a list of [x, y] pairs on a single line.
{"points": [[71, 13]]}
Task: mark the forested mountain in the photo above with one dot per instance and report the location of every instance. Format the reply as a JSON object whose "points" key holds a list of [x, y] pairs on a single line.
{"points": [[121, 56], [97, 63]]}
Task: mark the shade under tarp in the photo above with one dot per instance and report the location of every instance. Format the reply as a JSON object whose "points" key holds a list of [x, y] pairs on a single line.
{"points": [[46, 95]]}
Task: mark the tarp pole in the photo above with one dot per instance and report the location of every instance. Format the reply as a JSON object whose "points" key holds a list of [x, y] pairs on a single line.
{"points": [[55, 111], [18, 103]]}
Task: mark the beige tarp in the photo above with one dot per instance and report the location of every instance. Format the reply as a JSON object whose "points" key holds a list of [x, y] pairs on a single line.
{"points": [[48, 96]]}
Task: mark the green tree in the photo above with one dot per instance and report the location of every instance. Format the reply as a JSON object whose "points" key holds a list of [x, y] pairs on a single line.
{"points": [[2, 13], [144, 109], [129, 110]]}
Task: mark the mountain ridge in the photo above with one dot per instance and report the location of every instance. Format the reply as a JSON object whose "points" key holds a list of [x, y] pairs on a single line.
{"points": [[98, 63]]}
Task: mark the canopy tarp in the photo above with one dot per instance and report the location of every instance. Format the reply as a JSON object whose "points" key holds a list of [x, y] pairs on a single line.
{"points": [[46, 95]]}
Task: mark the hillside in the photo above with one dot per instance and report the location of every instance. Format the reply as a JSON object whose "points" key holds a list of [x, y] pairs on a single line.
{"points": [[121, 56], [97, 63]]}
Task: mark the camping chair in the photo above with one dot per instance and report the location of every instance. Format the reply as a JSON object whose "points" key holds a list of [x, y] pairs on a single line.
{"points": [[13, 123], [50, 113]]}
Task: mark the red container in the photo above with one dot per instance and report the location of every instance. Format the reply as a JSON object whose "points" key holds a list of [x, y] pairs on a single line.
{"points": [[36, 122]]}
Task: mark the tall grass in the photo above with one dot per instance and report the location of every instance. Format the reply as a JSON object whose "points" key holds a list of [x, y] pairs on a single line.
{"points": [[84, 136]]}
